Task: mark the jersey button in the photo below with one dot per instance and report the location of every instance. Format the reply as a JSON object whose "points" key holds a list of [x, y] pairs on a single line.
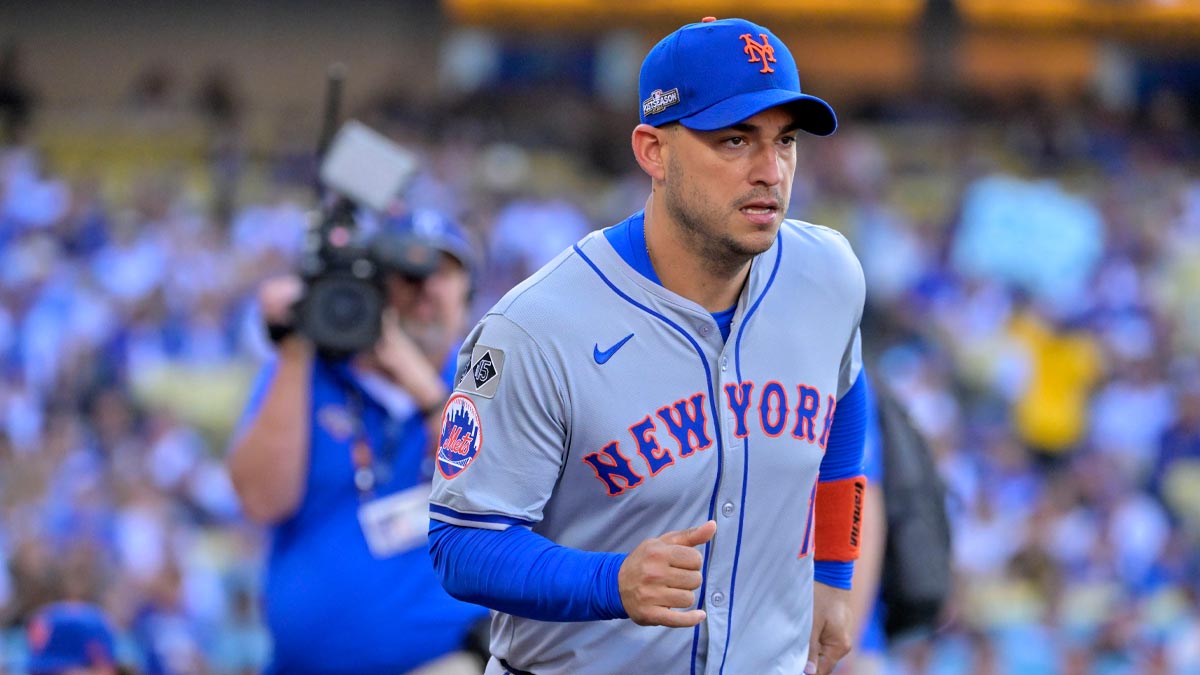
{"points": [[727, 509], [705, 330], [718, 599], [724, 363]]}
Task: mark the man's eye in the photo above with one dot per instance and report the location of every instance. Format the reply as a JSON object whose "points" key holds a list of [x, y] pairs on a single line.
{"points": [[736, 141], [788, 140]]}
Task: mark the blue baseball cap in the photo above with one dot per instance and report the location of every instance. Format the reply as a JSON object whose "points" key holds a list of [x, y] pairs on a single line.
{"points": [[437, 231], [67, 635], [714, 74]]}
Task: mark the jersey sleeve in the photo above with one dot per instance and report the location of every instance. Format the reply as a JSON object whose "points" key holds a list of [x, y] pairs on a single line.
{"points": [[851, 364], [503, 433]]}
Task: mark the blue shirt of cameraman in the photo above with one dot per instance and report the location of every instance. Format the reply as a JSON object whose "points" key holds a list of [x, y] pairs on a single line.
{"points": [[331, 605]]}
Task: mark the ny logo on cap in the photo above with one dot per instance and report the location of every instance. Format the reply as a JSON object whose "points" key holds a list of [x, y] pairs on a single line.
{"points": [[762, 52]]}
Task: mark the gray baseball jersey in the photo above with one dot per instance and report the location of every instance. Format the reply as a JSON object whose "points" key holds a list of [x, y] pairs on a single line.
{"points": [[601, 409]]}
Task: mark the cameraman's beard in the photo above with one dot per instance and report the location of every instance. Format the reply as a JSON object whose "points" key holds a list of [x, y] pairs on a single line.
{"points": [[431, 337]]}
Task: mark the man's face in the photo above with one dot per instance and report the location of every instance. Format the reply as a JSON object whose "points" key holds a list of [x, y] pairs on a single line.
{"points": [[443, 296], [438, 302], [729, 189]]}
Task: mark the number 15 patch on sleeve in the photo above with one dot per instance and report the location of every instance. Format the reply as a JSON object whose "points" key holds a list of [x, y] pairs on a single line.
{"points": [[483, 377]]}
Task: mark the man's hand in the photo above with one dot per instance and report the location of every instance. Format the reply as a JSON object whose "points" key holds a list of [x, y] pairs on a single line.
{"points": [[277, 296], [662, 574], [407, 366], [830, 630]]}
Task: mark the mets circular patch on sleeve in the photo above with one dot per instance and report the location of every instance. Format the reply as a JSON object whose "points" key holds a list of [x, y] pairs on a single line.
{"points": [[462, 436]]}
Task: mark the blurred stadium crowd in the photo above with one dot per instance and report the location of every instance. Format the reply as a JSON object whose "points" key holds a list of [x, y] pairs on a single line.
{"points": [[1033, 269]]}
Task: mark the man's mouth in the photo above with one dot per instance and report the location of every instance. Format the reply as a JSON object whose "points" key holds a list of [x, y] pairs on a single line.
{"points": [[762, 212]]}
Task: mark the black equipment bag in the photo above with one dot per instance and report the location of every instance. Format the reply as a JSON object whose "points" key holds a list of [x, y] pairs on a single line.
{"points": [[917, 577]]}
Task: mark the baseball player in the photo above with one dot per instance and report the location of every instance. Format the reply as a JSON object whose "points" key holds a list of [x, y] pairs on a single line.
{"points": [[641, 469]]}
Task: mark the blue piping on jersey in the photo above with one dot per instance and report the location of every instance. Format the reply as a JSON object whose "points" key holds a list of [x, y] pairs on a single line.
{"points": [[737, 366], [712, 402], [478, 518]]}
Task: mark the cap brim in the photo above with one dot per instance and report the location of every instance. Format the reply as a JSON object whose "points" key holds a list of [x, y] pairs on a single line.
{"points": [[812, 114], [463, 257]]}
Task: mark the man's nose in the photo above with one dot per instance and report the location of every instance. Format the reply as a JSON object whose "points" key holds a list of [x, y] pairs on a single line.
{"points": [[767, 167]]}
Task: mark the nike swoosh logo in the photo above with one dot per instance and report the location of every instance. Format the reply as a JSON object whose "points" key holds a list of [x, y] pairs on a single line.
{"points": [[602, 357]]}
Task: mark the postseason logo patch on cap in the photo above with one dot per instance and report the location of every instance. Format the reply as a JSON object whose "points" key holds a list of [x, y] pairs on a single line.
{"points": [[659, 101]]}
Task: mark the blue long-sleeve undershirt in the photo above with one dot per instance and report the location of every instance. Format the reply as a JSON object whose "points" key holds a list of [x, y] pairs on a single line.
{"points": [[844, 459], [520, 572]]}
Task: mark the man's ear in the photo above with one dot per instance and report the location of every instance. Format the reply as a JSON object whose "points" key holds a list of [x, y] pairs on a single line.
{"points": [[649, 149]]}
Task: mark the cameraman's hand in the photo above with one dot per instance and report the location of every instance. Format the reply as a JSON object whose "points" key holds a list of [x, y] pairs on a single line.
{"points": [[407, 366], [277, 296]]}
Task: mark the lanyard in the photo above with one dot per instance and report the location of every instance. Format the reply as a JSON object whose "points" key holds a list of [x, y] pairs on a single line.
{"points": [[368, 473]]}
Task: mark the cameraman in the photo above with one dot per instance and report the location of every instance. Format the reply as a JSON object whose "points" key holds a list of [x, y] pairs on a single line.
{"points": [[335, 456]]}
